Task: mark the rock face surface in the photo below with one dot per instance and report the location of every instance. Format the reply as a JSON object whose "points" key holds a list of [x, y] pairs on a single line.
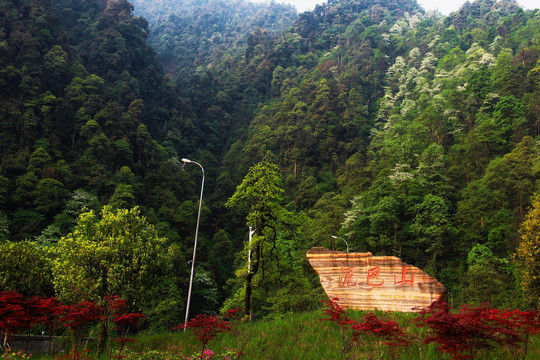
{"points": [[366, 282]]}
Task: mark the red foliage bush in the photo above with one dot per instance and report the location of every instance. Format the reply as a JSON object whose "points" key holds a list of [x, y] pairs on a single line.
{"points": [[79, 316], [14, 315], [336, 314], [118, 313], [389, 331], [17, 313], [233, 314], [127, 320], [44, 311], [464, 333], [206, 327], [371, 327]]}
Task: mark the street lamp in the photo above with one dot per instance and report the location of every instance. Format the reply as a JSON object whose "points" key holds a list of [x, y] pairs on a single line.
{"points": [[346, 243], [187, 161]]}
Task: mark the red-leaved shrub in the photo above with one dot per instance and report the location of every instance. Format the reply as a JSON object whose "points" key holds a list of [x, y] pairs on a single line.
{"points": [[463, 333], [206, 327], [370, 331]]}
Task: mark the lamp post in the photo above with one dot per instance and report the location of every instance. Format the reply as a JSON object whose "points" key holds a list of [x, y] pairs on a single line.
{"points": [[187, 161], [346, 243], [251, 232]]}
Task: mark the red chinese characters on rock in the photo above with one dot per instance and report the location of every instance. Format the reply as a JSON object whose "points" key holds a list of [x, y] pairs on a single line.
{"points": [[347, 274], [365, 282], [373, 273], [403, 281]]}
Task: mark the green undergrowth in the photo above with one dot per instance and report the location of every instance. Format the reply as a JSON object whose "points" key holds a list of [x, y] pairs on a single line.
{"points": [[303, 336]]}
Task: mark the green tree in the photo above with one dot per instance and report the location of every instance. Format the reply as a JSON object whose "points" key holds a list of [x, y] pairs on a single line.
{"points": [[374, 222], [81, 200], [507, 78], [25, 268], [221, 257], [49, 196], [485, 279], [123, 197], [38, 161], [528, 255], [433, 228], [4, 189], [26, 184], [260, 196], [4, 227], [327, 216], [117, 253]]}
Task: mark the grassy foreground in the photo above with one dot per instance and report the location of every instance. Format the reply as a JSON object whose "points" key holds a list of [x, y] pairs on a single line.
{"points": [[302, 336]]}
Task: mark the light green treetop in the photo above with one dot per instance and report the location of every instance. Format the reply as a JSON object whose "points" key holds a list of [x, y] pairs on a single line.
{"points": [[117, 253]]}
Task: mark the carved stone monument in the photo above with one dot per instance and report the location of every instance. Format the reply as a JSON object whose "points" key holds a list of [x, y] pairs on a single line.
{"points": [[366, 282]]}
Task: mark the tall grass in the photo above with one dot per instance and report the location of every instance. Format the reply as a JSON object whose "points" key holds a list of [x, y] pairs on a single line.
{"points": [[304, 336]]}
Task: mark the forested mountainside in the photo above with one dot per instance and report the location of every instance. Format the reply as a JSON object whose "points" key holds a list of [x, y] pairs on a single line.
{"points": [[191, 37], [192, 33], [406, 133]]}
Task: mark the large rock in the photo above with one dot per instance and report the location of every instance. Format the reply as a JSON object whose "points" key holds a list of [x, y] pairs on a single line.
{"points": [[366, 282]]}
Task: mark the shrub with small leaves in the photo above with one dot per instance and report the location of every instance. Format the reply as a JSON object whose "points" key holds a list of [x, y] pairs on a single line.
{"points": [[15, 355], [208, 354], [229, 354], [129, 354]]}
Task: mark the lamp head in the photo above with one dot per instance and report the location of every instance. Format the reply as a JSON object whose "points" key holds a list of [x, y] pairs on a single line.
{"points": [[187, 161]]}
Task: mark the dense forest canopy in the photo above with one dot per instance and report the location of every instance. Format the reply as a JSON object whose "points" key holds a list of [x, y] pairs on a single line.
{"points": [[407, 133]]}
